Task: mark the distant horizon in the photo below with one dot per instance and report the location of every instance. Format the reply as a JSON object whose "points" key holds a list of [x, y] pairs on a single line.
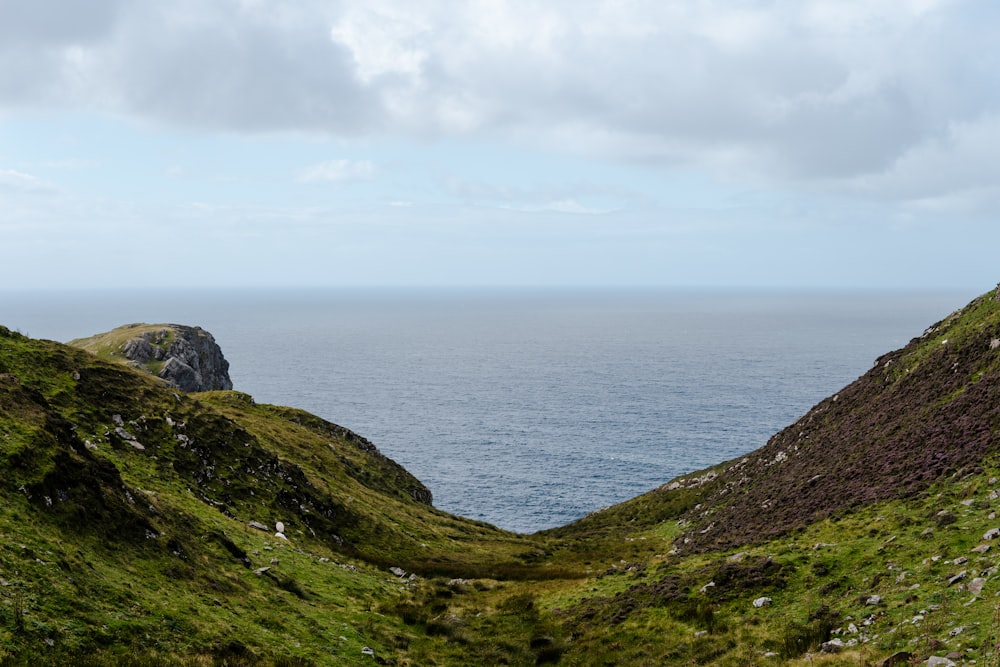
{"points": [[499, 287]]}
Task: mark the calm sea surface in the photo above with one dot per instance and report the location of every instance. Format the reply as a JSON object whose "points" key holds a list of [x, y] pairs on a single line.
{"points": [[528, 408]]}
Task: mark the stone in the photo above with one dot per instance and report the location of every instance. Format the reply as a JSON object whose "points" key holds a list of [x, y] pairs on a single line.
{"points": [[873, 600], [938, 661], [367, 650], [280, 536], [976, 585], [981, 549], [961, 560], [279, 526], [398, 571], [258, 525], [761, 602], [958, 577], [991, 534], [954, 632], [832, 646], [896, 659]]}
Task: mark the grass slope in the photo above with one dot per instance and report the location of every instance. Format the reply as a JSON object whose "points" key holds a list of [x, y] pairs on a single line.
{"points": [[126, 514]]}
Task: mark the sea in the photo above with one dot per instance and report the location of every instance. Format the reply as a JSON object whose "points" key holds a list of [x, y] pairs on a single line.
{"points": [[528, 408]]}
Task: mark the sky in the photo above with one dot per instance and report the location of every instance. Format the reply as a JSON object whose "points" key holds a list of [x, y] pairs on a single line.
{"points": [[252, 143]]}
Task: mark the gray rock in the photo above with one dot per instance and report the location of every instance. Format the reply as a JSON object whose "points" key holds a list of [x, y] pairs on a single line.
{"points": [[991, 534], [958, 577], [192, 361], [896, 659], [761, 602], [938, 661], [976, 585], [832, 646]]}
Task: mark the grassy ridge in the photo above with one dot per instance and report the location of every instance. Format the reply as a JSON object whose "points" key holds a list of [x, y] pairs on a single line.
{"points": [[138, 525]]}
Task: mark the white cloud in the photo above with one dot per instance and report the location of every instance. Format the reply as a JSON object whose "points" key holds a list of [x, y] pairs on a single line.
{"points": [[338, 171], [561, 206], [11, 179], [814, 92]]}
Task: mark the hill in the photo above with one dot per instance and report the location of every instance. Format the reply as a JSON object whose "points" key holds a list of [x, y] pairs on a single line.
{"points": [[145, 525]]}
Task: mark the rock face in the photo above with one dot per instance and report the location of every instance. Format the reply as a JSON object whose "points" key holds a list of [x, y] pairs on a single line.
{"points": [[191, 359]]}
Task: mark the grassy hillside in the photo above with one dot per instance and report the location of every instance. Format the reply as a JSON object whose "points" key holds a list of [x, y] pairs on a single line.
{"points": [[139, 524]]}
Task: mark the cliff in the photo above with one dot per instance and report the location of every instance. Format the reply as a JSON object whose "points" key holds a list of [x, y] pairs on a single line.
{"points": [[186, 357]]}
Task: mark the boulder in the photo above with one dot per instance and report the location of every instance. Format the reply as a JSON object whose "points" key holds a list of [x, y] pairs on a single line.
{"points": [[833, 646], [896, 659], [958, 577], [761, 602], [938, 661]]}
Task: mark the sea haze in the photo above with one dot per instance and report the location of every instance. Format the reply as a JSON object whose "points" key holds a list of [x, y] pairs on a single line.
{"points": [[529, 408]]}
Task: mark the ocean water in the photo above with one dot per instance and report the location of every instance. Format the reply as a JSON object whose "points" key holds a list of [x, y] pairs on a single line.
{"points": [[528, 408]]}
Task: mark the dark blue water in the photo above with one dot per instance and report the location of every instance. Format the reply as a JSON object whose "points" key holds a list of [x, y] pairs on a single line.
{"points": [[529, 409]]}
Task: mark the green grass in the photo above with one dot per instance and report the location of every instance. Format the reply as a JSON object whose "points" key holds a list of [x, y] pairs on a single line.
{"points": [[111, 553]]}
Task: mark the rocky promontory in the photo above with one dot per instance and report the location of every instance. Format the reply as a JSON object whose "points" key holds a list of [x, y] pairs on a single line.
{"points": [[186, 357]]}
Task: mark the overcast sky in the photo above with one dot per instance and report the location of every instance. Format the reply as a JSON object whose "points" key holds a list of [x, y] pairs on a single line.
{"points": [[491, 142]]}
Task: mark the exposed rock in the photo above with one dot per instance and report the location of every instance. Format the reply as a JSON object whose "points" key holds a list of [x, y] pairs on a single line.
{"points": [[186, 357], [258, 526], [896, 659], [279, 526], [976, 585], [938, 661], [957, 578], [991, 534], [761, 602], [832, 646]]}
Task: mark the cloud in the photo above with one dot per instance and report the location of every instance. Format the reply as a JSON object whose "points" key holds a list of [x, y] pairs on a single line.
{"points": [[812, 93], [570, 206], [338, 171], [16, 181]]}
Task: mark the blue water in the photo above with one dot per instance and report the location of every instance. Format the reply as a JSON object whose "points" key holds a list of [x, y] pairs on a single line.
{"points": [[529, 408]]}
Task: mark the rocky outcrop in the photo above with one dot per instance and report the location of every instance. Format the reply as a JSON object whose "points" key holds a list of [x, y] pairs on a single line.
{"points": [[186, 357]]}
